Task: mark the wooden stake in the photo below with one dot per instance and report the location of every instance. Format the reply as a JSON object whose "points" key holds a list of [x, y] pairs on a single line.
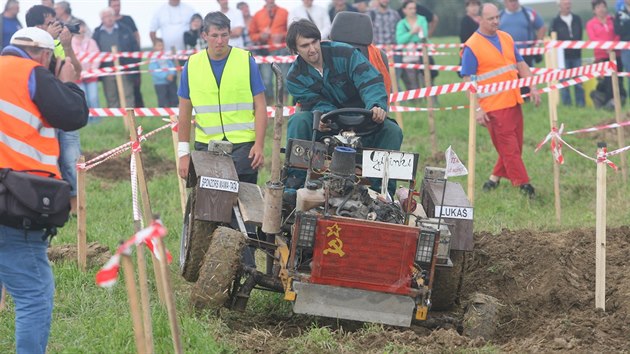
{"points": [[392, 75], [119, 80], [144, 294], [472, 148], [132, 295], [160, 266], [551, 62], [180, 182], [81, 217], [600, 231], [621, 141], [144, 194], [427, 83]]}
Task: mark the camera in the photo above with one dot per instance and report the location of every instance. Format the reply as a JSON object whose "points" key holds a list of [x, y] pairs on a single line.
{"points": [[73, 28]]}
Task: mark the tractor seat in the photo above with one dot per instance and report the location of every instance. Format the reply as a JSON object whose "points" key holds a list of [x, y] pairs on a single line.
{"points": [[354, 28]]}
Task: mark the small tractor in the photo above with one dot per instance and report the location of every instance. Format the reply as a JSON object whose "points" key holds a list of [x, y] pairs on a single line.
{"points": [[334, 248]]}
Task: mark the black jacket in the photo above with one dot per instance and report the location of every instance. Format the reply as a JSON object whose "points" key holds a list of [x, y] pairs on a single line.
{"points": [[561, 28], [126, 43], [622, 24]]}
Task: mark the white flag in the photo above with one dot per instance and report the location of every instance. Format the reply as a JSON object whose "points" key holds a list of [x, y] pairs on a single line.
{"points": [[454, 167]]}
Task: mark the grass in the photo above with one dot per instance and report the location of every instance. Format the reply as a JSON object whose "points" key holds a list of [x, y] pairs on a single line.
{"points": [[94, 320]]}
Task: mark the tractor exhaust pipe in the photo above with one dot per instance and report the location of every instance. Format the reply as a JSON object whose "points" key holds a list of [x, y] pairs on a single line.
{"points": [[273, 195]]}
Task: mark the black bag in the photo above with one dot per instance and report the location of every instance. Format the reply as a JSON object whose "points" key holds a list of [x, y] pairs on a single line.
{"points": [[32, 201]]}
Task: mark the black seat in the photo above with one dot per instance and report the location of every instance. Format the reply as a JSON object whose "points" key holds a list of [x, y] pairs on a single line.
{"points": [[354, 28]]}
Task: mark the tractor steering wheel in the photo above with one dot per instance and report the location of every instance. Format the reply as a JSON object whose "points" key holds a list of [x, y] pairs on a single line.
{"points": [[355, 119]]}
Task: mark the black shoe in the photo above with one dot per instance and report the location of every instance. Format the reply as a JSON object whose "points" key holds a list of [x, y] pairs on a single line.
{"points": [[490, 185], [528, 190]]}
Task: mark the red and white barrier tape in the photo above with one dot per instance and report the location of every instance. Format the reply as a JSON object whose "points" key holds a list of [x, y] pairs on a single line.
{"points": [[609, 45], [121, 149], [108, 274], [599, 127], [556, 147]]}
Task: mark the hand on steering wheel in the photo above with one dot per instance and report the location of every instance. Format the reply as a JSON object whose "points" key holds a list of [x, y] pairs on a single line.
{"points": [[361, 121]]}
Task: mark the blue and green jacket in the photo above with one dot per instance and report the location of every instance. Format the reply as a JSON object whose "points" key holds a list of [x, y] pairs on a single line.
{"points": [[349, 81]]}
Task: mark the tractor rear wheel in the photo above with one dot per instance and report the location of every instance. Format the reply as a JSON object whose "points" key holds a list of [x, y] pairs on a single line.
{"points": [[219, 269], [447, 282], [195, 239]]}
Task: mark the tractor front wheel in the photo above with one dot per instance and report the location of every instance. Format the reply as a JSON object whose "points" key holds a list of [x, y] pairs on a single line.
{"points": [[195, 239], [219, 269]]}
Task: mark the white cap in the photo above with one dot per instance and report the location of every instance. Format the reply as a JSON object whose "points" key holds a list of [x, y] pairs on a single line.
{"points": [[33, 37]]}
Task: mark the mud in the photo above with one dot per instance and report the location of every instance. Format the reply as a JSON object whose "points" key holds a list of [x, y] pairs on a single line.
{"points": [[544, 283], [97, 254], [117, 168]]}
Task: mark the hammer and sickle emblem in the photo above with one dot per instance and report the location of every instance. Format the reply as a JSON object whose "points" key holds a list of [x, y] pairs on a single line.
{"points": [[336, 246]]}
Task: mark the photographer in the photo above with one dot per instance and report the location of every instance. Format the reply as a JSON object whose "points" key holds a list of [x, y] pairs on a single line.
{"points": [[34, 105], [44, 17]]}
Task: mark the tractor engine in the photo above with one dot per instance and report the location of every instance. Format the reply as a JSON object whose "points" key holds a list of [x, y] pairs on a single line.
{"points": [[340, 192]]}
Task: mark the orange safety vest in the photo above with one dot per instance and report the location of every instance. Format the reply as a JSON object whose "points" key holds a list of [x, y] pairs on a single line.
{"points": [[376, 59], [27, 141], [495, 67]]}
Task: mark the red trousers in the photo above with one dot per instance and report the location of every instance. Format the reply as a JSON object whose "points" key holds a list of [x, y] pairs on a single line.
{"points": [[506, 132]]}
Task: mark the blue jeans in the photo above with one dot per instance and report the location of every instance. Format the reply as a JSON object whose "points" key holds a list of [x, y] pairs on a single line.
{"points": [[565, 93], [91, 97], [70, 150], [28, 278]]}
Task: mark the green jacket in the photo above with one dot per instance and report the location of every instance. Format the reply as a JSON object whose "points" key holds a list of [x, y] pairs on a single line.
{"points": [[403, 31], [349, 80]]}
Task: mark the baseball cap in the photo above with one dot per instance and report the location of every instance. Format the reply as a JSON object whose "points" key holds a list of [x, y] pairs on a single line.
{"points": [[33, 37]]}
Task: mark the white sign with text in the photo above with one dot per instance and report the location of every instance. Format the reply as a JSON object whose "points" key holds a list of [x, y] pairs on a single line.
{"points": [[218, 184], [400, 164], [450, 212]]}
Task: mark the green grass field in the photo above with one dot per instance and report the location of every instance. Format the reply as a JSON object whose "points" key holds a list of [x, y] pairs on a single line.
{"points": [[88, 319]]}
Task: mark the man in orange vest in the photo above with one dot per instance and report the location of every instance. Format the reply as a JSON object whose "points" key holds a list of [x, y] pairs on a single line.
{"points": [[33, 104], [490, 56]]}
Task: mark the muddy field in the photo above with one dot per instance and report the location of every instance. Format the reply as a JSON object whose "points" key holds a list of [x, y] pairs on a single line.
{"points": [[544, 283]]}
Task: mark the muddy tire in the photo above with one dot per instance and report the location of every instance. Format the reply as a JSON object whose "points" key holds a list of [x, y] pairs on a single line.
{"points": [[447, 283], [196, 235], [220, 266], [481, 316]]}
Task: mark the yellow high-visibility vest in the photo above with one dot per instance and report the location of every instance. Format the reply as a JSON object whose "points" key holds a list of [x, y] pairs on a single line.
{"points": [[227, 110]]}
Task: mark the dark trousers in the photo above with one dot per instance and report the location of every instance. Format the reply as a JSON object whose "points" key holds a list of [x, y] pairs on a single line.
{"points": [[167, 95]]}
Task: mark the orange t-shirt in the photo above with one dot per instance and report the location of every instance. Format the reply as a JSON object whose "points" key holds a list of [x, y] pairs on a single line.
{"points": [[276, 20]]}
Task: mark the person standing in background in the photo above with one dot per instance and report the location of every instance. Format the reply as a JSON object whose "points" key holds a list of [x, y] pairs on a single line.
{"points": [[192, 37], [164, 75], [337, 6], [236, 23], [9, 23], [49, 3], [568, 27], [622, 29], [491, 56], [522, 24], [247, 19], [269, 27], [602, 28], [107, 35], [412, 29], [129, 22], [429, 15], [83, 43], [172, 20], [470, 21], [63, 12], [362, 6], [313, 13]]}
